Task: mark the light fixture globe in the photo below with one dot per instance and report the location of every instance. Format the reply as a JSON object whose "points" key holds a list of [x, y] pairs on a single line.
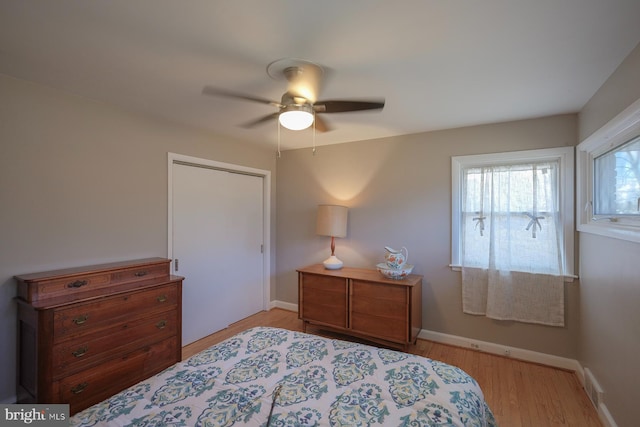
{"points": [[296, 116]]}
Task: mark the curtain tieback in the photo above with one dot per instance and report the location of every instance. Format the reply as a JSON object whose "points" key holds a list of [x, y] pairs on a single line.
{"points": [[480, 223], [535, 222]]}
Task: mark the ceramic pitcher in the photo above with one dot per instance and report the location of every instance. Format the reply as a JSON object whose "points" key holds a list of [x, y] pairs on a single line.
{"points": [[396, 259]]}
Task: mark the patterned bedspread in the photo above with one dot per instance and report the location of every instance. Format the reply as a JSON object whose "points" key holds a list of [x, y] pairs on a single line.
{"points": [[302, 380]]}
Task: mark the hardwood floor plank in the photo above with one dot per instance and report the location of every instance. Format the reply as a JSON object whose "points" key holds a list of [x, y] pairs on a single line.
{"points": [[527, 407], [519, 393]]}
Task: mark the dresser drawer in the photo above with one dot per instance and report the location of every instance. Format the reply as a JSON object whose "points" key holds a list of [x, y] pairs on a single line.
{"points": [[139, 273], [380, 310], [392, 329], [89, 350], [90, 317], [380, 299], [324, 283], [67, 286], [93, 385], [325, 299], [73, 283]]}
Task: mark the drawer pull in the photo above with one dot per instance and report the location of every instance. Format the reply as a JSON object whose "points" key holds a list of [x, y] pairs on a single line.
{"points": [[140, 273], [79, 388], [162, 298], [161, 324], [81, 319], [77, 284], [80, 352]]}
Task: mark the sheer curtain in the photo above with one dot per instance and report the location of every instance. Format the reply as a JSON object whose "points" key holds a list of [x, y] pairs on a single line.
{"points": [[512, 243]]}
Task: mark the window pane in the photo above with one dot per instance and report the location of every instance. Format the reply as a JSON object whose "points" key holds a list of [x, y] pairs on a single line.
{"points": [[510, 217], [617, 180]]}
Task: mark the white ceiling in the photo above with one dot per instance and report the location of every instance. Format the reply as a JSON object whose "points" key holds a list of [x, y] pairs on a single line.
{"points": [[439, 64]]}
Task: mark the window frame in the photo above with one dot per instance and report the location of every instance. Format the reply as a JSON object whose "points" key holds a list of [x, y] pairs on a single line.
{"points": [[565, 157], [618, 131]]}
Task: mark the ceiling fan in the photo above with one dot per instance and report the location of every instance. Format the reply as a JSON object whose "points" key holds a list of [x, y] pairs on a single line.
{"points": [[299, 107]]}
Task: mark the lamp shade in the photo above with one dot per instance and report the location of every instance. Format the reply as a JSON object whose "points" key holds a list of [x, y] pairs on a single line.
{"points": [[332, 221]]}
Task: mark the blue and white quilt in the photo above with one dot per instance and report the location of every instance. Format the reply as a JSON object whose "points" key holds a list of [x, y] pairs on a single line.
{"points": [[276, 377]]}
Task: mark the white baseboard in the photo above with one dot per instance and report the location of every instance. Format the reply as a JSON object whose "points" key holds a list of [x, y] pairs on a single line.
{"points": [[503, 350], [283, 305], [605, 416]]}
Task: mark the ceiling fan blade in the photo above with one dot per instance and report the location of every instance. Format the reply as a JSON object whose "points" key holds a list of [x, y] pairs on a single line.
{"points": [[343, 106], [261, 120], [321, 124], [214, 91]]}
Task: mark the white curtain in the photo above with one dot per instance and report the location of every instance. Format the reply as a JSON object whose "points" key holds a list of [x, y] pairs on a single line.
{"points": [[511, 243]]}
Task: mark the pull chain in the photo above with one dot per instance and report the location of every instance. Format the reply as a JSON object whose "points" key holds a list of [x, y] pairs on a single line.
{"points": [[279, 155], [314, 133]]}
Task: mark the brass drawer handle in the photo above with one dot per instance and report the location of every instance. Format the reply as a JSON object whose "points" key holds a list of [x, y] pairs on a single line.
{"points": [[161, 324], [79, 388], [80, 352], [81, 319], [140, 273], [77, 284], [162, 298]]}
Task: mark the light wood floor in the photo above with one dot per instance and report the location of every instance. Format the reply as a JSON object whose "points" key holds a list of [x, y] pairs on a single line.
{"points": [[519, 393]]}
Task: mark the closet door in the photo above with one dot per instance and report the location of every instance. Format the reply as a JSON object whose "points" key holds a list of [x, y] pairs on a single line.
{"points": [[217, 240]]}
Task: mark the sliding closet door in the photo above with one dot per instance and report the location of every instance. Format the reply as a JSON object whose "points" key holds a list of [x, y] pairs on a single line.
{"points": [[217, 240]]}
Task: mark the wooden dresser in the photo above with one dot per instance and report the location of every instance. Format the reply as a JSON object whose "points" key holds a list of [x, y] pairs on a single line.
{"points": [[87, 333], [362, 303]]}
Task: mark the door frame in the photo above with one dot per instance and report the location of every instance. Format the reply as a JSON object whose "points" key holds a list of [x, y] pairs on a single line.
{"points": [[173, 158]]}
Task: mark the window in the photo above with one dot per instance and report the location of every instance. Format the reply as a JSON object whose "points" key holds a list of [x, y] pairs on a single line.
{"points": [[514, 211], [512, 233], [616, 187], [609, 178]]}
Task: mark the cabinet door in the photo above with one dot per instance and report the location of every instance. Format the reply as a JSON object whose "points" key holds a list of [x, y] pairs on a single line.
{"points": [[380, 310], [323, 299]]}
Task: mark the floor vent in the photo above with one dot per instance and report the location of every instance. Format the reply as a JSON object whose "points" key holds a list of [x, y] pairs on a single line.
{"points": [[594, 391]]}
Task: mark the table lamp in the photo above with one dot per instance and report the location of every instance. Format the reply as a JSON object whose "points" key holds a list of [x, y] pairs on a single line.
{"points": [[332, 221]]}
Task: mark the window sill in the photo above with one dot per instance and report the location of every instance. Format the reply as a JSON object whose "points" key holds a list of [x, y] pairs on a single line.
{"points": [[622, 232]]}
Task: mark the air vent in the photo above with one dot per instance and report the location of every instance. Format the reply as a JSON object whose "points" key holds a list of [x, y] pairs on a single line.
{"points": [[593, 389]]}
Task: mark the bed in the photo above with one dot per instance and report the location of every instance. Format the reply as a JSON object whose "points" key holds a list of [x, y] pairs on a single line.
{"points": [[276, 377]]}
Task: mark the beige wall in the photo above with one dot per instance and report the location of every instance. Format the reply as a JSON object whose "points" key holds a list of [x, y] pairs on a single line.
{"points": [[610, 275], [399, 194], [84, 183]]}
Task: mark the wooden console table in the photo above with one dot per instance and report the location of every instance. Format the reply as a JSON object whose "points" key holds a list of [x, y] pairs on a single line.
{"points": [[362, 303]]}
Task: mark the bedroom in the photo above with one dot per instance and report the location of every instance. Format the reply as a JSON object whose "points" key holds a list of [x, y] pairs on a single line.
{"points": [[87, 183]]}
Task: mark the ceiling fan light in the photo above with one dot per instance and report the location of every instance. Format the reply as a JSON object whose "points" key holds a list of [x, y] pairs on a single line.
{"points": [[296, 117]]}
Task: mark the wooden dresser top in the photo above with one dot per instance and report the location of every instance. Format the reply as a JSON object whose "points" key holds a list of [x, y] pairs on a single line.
{"points": [[361, 274]]}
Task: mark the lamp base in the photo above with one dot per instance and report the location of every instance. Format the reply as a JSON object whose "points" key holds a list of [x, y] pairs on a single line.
{"points": [[332, 263]]}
